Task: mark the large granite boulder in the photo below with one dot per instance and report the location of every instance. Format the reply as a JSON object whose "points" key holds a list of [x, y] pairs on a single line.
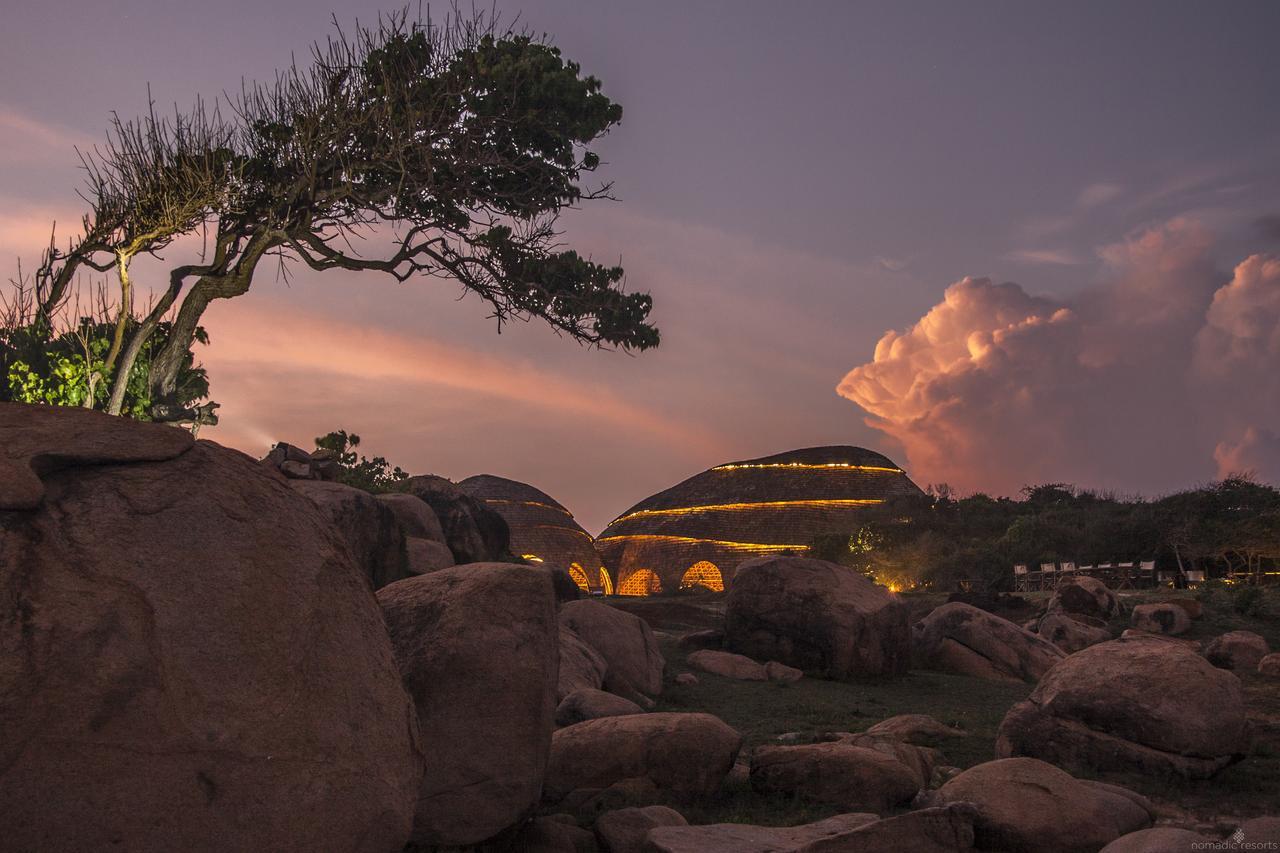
{"points": [[417, 519], [1160, 618], [1270, 665], [370, 529], [728, 665], [473, 532], [1028, 805], [816, 616], [686, 755], [1242, 651], [588, 704], [962, 639], [191, 659], [634, 664], [1069, 633], [626, 830], [581, 666], [1148, 705], [853, 778], [1162, 839], [1085, 596], [477, 648]]}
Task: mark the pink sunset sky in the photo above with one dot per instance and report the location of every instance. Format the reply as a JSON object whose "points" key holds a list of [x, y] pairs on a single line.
{"points": [[1001, 243]]}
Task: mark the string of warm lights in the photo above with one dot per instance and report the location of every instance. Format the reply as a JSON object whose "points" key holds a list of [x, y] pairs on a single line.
{"points": [[809, 466], [744, 546], [538, 504], [730, 507], [562, 530]]}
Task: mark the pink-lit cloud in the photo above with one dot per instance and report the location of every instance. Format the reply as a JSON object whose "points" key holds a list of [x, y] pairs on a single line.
{"points": [[1164, 374]]}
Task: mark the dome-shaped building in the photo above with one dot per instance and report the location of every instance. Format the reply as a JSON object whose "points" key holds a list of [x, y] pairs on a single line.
{"points": [[542, 530], [697, 532]]}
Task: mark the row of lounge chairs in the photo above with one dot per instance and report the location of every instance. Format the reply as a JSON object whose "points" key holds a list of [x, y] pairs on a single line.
{"points": [[1114, 575]]}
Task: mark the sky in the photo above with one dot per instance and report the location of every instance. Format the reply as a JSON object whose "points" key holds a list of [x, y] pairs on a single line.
{"points": [[1002, 243]]}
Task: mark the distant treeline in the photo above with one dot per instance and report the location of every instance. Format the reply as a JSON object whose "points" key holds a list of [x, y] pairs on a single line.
{"points": [[1227, 528]]}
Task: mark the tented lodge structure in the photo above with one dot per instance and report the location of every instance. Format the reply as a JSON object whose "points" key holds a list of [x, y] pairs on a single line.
{"points": [[542, 531], [697, 532]]}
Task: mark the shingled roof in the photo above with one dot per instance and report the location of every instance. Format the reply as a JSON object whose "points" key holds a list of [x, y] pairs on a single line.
{"points": [[542, 530], [749, 508]]}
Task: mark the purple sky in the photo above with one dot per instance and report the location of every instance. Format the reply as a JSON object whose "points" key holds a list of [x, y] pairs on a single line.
{"points": [[794, 180]]}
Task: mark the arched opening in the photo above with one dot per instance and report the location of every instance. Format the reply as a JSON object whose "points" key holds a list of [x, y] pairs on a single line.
{"points": [[704, 574], [606, 582], [579, 577], [640, 582]]}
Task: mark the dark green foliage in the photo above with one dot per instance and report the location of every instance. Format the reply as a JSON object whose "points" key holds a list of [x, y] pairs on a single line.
{"points": [[1229, 527], [374, 475], [38, 365]]}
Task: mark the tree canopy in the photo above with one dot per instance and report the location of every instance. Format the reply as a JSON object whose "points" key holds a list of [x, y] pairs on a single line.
{"points": [[1227, 527], [442, 151]]}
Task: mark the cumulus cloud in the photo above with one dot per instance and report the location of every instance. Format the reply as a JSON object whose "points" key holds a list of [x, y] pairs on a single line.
{"points": [[1159, 378], [1055, 257], [1096, 194]]}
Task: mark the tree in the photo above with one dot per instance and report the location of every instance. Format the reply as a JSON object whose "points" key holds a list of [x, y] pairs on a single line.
{"points": [[457, 145], [373, 475]]}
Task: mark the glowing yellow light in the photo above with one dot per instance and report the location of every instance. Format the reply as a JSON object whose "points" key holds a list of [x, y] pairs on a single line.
{"points": [[606, 583], [847, 466], [579, 577], [533, 558], [705, 574], [745, 546], [688, 510], [539, 504], [640, 582], [572, 530]]}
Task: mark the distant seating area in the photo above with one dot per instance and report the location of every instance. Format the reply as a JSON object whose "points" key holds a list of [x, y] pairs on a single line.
{"points": [[1117, 575]]}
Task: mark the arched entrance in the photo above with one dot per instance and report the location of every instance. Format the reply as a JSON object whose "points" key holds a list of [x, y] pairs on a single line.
{"points": [[704, 574], [640, 582], [579, 577], [606, 582]]}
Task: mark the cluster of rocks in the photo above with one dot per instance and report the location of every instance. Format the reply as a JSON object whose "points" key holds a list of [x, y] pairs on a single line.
{"points": [[205, 652]]}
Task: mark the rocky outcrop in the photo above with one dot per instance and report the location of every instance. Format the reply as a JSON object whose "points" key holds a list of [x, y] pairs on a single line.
{"points": [[849, 777], [294, 463], [588, 704], [1028, 805], [816, 616], [743, 838], [550, 834], [1148, 705], [626, 830], [473, 532], [1270, 665], [685, 755], [1242, 651], [1160, 618], [965, 640], [728, 665], [417, 519], [1085, 596], [634, 664], [174, 619], [781, 672], [1069, 633], [477, 648], [369, 528], [423, 556]]}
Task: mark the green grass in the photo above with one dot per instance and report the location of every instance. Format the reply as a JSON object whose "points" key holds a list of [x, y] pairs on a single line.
{"points": [[762, 711]]}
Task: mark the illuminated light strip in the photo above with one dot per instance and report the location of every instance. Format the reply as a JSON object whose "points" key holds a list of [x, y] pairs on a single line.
{"points": [[811, 466], [528, 503], [746, 546], [531, 557], [831, 502], [562, 530]]}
